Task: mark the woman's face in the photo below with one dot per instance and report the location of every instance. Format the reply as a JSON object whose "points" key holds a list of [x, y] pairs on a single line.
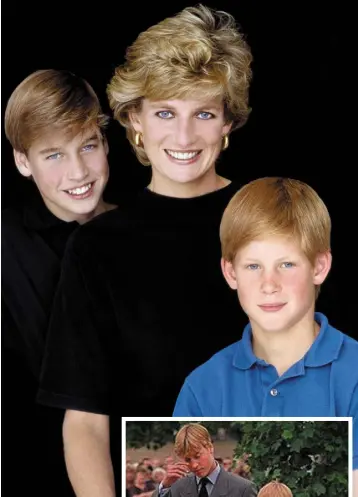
{"points": [[182, 138]]}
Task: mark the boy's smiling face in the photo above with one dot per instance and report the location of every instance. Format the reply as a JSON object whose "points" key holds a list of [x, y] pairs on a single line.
{"points": [[70, 173], [276, 282]]}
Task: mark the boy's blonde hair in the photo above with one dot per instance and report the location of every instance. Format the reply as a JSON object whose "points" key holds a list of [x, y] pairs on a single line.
{"points": [[49, 100], [275, 489], [197, 53], [276, 206], [190, 439]]}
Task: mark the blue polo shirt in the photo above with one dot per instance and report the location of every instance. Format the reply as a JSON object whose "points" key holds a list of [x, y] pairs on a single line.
{"points": [[235, 383]]}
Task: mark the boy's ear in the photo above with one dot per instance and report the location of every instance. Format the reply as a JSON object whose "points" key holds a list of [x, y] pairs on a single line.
{"points": [[135, 121], [22, 163], [322, 267], [229, 273]]}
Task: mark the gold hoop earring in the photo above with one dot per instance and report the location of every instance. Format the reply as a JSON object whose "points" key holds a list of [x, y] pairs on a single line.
{"points": [[138, 139], [225, 142]]}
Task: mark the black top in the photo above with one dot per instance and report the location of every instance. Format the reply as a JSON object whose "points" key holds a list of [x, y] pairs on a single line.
{"points": [[33, 242], [142, 301]]}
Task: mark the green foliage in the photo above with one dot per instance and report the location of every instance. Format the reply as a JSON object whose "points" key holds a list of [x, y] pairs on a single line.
{"points": [[155, 434], [150, 434], [311, 458]]}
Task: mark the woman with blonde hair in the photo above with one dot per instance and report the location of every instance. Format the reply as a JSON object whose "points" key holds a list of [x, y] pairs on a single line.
{"points": [[147, 276]]}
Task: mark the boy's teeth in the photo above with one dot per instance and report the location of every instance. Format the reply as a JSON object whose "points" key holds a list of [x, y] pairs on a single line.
{"points": [[81, 190], [182, 155]]}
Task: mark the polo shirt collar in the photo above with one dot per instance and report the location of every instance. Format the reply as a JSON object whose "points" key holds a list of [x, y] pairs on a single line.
{"points": [[324, 350]]}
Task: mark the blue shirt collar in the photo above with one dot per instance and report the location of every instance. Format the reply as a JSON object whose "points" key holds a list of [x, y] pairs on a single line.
{"points": [[213, 476], [324, 350]]}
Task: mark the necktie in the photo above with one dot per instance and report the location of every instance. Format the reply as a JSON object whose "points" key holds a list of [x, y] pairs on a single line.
{"points": [[203, 491]]}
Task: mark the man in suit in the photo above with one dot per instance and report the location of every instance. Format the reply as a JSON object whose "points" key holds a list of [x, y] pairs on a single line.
{"points": [[198, 474]]}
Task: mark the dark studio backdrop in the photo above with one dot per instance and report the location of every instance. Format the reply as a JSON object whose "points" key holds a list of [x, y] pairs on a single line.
{"points": [[300, 98]]}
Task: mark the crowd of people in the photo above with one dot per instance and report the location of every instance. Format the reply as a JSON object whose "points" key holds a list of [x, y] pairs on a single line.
{"points": [[144, 476]]}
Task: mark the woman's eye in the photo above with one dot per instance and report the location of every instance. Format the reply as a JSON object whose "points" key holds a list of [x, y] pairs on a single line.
{"points": [[164, 114], [205, 115]]}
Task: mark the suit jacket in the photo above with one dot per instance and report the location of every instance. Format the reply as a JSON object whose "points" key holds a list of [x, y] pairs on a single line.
{"points": [[227, 485]]}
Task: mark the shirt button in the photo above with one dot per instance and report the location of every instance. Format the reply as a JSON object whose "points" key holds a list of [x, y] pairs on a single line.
{"points": [[274, 392]]}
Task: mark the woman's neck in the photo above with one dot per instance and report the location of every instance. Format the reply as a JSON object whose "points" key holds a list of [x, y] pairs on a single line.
{"points": [[187, 190]]}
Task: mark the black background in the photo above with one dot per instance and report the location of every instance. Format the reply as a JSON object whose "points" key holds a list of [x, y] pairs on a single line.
{"points": [[301, 98]]}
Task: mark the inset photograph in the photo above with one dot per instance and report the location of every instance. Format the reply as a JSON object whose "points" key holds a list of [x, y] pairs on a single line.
{"points": [[260, 458]]}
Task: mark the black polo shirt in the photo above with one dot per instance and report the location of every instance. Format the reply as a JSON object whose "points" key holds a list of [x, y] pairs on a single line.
{"points": [[142, 301], [33, 243]]}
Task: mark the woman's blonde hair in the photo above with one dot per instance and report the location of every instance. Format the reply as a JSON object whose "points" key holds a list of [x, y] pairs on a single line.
{"points": [[191, 438], [51, 99], [199, 52], [275, 489]]}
